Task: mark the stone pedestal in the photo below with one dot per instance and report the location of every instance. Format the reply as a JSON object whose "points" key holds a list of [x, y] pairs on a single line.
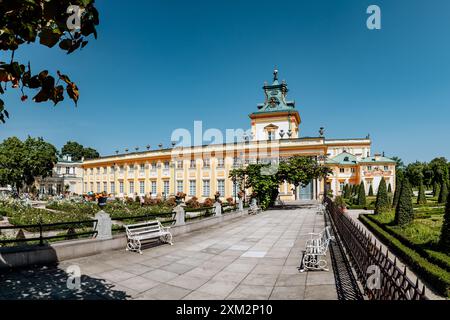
{"points": [[179, 215], [218, 209], [241, 204], [104, 225]]}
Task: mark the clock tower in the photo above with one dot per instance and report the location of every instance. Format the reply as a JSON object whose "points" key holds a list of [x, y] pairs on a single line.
{"points": [[277, 117]]}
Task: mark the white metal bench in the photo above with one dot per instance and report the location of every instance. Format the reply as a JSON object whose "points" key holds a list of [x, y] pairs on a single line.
{"points": [[314, 256], [322, 208], [254, 209], [136, 233]]}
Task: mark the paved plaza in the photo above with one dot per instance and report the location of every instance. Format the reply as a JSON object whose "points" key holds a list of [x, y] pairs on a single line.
{"points": [[252, 257]]}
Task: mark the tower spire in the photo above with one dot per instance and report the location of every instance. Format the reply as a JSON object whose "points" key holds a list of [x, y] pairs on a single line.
{"points": [[275, 74]]}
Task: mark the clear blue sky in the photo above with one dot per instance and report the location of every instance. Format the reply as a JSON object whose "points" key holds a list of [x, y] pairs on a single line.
{"points": [[159, 65]]}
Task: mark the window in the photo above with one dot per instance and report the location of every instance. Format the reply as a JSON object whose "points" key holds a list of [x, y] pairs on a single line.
{"points": [[141, 187], [369, 168], [67, 170], [270, 135], [206, 162], [153, 165], [154, 187], [353, 170], [92, 171], [112, 169], [192, 188], [220, 162], [92, 187], [166, 165], [105, 186], [341, 186], [131, 184], [386, 168], [221, 187], [113, 187], [105, 170], [206, 188], [341, 170], [98, 186], [235, 161], [58, 170], [121, 186], [142, 167], [179, 185], [180, 164], [166, 187], [121, 169], [131, 170], [192, 164]]}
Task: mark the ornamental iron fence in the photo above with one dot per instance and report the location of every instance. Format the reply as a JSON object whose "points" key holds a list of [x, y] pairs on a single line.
{"points": [[379, 275]]}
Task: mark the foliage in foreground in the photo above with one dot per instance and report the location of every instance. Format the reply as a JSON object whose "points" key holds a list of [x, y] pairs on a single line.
{"points": [[404, 210], [382, 202]]}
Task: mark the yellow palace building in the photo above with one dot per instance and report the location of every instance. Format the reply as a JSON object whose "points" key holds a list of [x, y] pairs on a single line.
{"points": [[202, 170]]}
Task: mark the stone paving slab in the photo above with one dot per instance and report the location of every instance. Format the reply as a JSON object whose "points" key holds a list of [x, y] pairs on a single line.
{"points": [[252, 257]]}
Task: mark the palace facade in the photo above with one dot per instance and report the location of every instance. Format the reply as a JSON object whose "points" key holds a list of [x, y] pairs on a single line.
{"points": [[202, 170]]}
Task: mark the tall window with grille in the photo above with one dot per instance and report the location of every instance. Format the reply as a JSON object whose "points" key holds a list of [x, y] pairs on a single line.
{"points": [[166, 187], [121, 186], [192, 188], [98, 186], [141, 187], [221, 187], [206, 188], [220, 163], [112, 185], [92, 187], [105, 186], [206, 163], [179, 185], [131, 185], [192, 164], [154, 187]]}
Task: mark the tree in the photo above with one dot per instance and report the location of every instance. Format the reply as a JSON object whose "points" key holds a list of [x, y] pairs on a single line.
{"points": [[414, 173], [444, 193], [78, 151], [399, 166], [90, 153], [361, 195], [23, 22], [12, 163], [264, 179], [21, 162], [40, 157], [404, 210], [370, 191], [347, 191], [444, 240], [382, 203], [421, 198], [390, 188], [398, 187], [440, 169]]}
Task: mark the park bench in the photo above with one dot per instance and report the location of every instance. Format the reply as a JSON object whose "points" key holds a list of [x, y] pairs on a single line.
{"points": [[136, 233], [314, 255], [322, 208], [254, 209]]}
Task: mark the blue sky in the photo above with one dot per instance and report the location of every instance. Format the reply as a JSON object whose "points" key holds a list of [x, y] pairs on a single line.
{"points": [[159, 65]]}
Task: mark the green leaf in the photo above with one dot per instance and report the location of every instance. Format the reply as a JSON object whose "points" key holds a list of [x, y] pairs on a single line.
{"points": [[49, 37]]}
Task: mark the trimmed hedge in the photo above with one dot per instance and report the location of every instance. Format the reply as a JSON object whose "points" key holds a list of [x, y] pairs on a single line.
{"points": [[433, 274]]}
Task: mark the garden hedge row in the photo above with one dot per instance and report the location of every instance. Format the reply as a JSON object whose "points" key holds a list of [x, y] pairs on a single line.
{"points": [[440, 259], [435, 276]]}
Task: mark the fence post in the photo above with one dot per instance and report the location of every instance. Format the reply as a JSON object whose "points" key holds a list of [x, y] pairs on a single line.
{"points": [[41, 241], [179, 215]]}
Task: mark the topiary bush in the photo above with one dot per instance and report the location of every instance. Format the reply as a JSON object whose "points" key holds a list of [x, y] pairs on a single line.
{"points": [[361, 195], [421, 198], [404, 211], [444, 193], [382, 202]]}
